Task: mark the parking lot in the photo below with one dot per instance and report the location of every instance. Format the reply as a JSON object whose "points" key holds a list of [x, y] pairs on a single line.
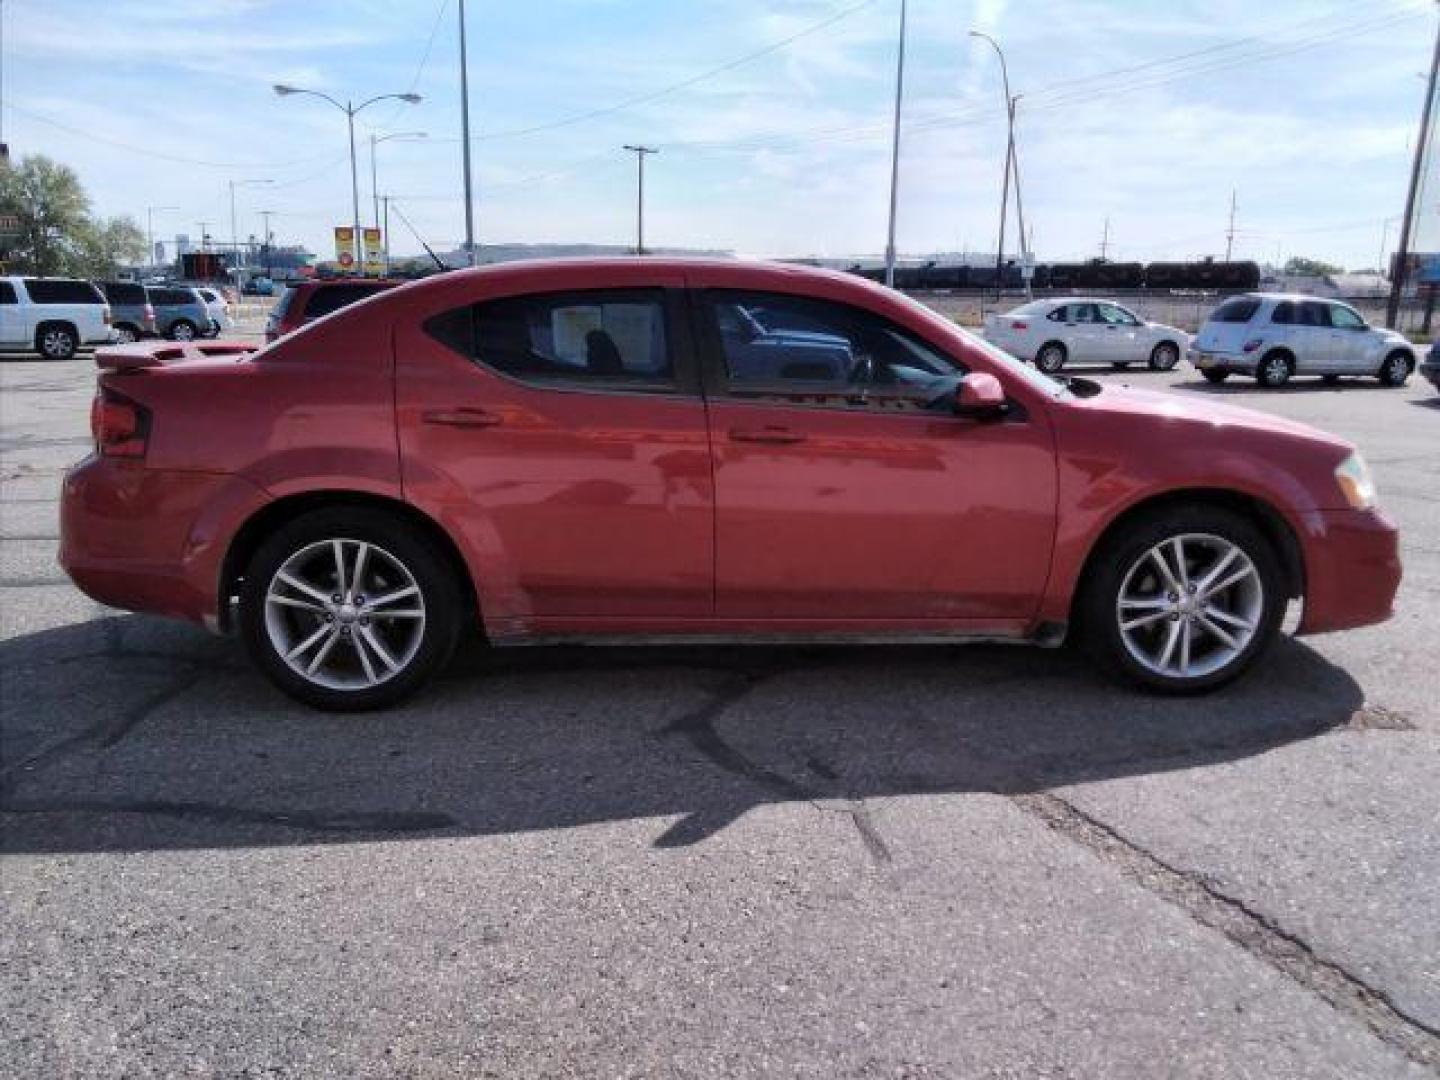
{"points": [[750, 861]]}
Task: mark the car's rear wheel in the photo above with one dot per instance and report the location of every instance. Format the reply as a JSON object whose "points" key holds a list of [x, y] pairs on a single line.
{"points": [[182, 330], [1184, 600], [349, 609], [126, 334], [1051, 357], [1214, 375], [1164, 356], [56, 341], [1395, 371], [1275, 370]]}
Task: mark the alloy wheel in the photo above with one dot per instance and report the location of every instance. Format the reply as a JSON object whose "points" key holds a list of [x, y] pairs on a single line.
{"points": [[345, 614], [183, 332], [57, 344], [1190, 605]]}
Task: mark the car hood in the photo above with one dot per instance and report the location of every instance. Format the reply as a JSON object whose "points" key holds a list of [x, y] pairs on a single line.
{"points": [[1186, 410]]}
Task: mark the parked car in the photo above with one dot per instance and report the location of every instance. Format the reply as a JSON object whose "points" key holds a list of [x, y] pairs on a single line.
{"points": [[181, 313], [1276, 336], [131, 312], [307, 301], [1057, 332], [581, 450], [1431, 367], [52, 316], [259, 286], [218, 308]]}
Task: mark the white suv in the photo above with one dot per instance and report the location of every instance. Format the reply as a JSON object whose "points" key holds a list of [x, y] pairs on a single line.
{"points": [[52, 316], [1273, 336]]}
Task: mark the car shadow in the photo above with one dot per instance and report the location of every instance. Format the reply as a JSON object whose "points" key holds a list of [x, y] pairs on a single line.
{"points": [[134, 734], [1305, 385], [1427, 403]]}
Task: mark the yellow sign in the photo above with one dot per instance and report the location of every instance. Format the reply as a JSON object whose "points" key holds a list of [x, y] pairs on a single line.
{"points": [[345, 248], [374, 250]]}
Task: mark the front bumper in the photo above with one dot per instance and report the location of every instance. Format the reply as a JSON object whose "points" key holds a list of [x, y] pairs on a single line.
{"points": [[151, 540], [1352, 569]]}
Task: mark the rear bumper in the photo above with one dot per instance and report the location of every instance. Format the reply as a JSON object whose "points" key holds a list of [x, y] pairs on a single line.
{"points": [[1352, 569], [1205, 360], [151, 540]]}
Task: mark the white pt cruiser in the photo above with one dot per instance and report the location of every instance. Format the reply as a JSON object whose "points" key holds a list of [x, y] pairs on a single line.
{"points": [[1273, 336]]}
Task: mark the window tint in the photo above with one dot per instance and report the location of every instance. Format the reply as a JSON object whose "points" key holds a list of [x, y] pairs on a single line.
{"points": [[1284, 313], [1313, 313], [123, 292], [1345, 318], [772, 342], [1060, 314], [1083, 313], [1239, 310], [60, 291], [7, 293], [163, 297], [330, 298], [614, 335]]}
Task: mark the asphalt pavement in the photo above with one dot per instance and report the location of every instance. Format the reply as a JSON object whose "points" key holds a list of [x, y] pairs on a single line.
{"points": [[718, 862]]}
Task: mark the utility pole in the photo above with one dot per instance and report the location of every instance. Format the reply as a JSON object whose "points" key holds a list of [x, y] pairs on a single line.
{"points": [[640, 153], [1402, 253], [1230, 232], [385, 233], [1105, 241], [265, 237], [465, 140], [895, 152], [204, 235], [1012, 164]]}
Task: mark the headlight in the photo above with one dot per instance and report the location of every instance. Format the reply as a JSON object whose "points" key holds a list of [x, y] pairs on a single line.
{"points": [[1355, 482]]}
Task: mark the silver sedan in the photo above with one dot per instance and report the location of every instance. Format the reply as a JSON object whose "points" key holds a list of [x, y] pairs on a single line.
{"points": [[1056, 332]]}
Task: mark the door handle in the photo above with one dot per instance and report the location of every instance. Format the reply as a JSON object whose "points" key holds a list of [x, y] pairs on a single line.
{"points": [[466, 418], [775, 435]]}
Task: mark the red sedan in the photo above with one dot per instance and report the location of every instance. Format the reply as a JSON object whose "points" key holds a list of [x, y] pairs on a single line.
{"points": [[613, 450]]}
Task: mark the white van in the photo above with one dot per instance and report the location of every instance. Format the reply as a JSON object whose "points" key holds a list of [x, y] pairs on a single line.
{"points": [[52, 316]]}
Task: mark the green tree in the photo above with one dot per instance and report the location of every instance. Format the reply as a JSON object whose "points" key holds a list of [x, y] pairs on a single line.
{"points": [[102, 246], [53, 211], [1300, 266]]}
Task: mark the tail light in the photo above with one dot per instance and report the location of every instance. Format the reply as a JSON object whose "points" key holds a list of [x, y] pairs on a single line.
{"points": [[1019, 325], [105, 315], [149, 316], [121, 427], [1251, 345]]}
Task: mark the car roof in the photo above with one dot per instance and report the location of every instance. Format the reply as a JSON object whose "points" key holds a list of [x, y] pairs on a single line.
{"points": [[1278, 296]]}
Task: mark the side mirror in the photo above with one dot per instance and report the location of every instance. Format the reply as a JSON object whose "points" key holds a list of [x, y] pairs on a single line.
{"points": [[979, 396]]}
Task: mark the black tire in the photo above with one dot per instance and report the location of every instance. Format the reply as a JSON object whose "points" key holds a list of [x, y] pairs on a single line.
{"points": [[1097, 607], [1051, 357], [1330, 380], [56, 341], [1395, 369], [1120, 365], [182, 330], [1275, 369], [126, 334], [1164, 356], [439, 591], [1214, 376]]}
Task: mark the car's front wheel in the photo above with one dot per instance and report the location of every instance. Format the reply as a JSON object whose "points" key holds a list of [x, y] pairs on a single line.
{"points": [[183, 331], [1395, 370], [1184, 600], [1051, 357], [349, 609], [1164, 356]]}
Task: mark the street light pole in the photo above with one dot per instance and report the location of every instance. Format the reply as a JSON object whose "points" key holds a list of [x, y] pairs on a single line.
{"points": [[465, 141], [1402, 253], [350, 109], [1012, 164], [640, 153], [265, 235], [895, 152]]}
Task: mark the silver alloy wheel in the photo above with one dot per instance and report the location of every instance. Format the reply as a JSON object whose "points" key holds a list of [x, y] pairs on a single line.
{"points": [[1397, 369], [1165, 357], [57, 343], [1190, 605], [126, 336], [345, 614], [182, 332], [1051, 359]]}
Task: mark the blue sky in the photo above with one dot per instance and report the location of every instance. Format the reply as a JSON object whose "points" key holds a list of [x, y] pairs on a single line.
{"points": [[1146, 112]]}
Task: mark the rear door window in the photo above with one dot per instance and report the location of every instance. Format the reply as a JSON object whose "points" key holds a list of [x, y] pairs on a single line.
{"points": [[1314, 313], [1284, 313], [123, 292], [1239, 310], [61, 291], [7, 293]]}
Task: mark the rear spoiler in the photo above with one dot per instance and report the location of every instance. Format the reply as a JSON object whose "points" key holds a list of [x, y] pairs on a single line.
{"points": [[148, 354]]}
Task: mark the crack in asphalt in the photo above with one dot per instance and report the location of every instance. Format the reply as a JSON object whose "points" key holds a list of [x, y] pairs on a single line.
{"points": [[1256, 933]]}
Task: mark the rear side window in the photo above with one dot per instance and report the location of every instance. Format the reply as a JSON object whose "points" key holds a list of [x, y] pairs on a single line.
{"points": [[1239, 310], [1313, 313], [1284, 313], [60, 291], [610, 336], [123, 292], [171, 297], [334, 297], [7, 293]]}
